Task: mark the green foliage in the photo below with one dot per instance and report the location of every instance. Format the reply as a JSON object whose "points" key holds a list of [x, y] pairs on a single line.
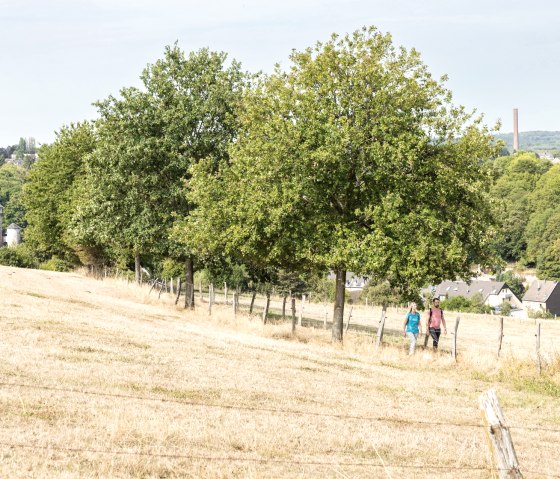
{"points": [[382, 293], [19, 256], [51, 187], [12, 179], [475, 304], [136, 181], [517, 176], [353, 160], [56, 264], [322, 289], [540, 314], [533, 140], [505, 308], [514, 282]]}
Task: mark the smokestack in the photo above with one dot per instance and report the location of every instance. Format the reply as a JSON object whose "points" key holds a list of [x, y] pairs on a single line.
{"points": [[515, 131]]}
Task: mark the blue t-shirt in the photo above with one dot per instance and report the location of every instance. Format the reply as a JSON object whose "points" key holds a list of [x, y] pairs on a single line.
{"points": [[412, 322]]}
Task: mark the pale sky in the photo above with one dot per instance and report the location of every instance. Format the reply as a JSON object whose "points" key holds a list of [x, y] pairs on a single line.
{"points": [[59, 56]]}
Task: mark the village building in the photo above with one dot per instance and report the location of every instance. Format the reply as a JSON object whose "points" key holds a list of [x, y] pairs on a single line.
{"points": [[543, 296], [493, 293], [13, 232]]}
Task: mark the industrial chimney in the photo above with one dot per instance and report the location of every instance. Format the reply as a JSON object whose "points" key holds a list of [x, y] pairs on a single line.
{"points": [[515, 131]]}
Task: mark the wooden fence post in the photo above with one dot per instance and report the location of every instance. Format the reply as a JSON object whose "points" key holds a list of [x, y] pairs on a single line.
{"points": [[266, 307], [200, 290], [225, 293], [454, 350], [293, 304], [178, 290], [348, 322], [326, 317], [252, 302], [381, 326], [235, 304], [538, 347], [499, 436], [302, 305], [163, 285], [210, 298], [501, 337]]}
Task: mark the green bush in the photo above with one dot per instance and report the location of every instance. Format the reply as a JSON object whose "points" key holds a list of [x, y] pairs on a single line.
{"points": [[19, 256], [475, 304], [56, 264], [540, 314]]}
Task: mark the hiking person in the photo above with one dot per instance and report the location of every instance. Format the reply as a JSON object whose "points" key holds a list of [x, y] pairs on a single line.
{"points": [[412, 327], [434, 321]]}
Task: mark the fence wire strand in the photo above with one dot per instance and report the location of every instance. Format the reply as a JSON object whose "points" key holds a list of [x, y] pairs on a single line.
{"points": [[268, 410]]}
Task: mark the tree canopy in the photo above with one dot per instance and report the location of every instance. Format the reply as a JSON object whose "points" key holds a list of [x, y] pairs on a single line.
{"points": [[354, 159]]}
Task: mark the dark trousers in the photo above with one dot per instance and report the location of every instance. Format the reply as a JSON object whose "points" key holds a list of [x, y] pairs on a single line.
{"points": [[435, 334]]}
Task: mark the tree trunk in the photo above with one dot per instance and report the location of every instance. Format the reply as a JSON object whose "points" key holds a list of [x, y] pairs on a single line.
{"points": [[137, 269], [252, 302], [338, 314], [189, 283], [266, 307]]}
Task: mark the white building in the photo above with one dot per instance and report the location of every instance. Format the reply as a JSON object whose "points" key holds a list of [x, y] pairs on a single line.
{"points": [[493, 293]]}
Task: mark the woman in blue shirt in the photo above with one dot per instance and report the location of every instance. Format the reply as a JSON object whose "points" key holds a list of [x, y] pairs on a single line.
{"points": [[412, 327]]}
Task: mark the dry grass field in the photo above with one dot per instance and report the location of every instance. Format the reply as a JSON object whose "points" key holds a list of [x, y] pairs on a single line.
{"points": [[98, 379]]}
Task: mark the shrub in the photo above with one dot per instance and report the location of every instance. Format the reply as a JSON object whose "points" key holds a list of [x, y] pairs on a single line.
{"points": [[56, 264], [19, 256], [540, 314], [475, 304]]}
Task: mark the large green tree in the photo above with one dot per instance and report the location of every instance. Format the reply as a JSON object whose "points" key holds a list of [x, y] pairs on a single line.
{"points": [[149, 138], [50, 188], [354, 159]]}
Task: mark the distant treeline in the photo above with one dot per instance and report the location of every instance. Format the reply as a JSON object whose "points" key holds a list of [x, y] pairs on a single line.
{"points": [[534, 140]]}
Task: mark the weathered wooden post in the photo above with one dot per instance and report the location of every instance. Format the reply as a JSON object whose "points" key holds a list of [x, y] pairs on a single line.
{"points": [[454, 349], [538, 347], [499, 437], [252, 302], [326, 317], [225, 293], [162, 285], [200, 290], [293, 298], [235, 304], [266, 306], [381, 326], [210, 297], [501, 336], [284, 299], [348, 322], [178, 290], [302, 306]]}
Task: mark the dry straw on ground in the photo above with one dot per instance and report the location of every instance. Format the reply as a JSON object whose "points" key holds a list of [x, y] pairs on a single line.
{"points": [[100, 379]]}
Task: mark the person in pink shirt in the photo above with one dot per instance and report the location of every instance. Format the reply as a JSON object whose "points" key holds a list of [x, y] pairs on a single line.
{"points": [[434, 321]]}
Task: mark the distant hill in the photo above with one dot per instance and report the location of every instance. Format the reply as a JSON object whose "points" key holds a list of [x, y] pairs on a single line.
{"points": [[533, 140]]}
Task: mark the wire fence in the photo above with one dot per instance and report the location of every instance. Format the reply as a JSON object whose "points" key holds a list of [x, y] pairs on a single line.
{"points": [[261, 460], [268, 410]]}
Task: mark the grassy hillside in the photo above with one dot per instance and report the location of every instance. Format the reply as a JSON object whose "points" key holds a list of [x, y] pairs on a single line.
{"points": [[98, 379], [533, 140]]}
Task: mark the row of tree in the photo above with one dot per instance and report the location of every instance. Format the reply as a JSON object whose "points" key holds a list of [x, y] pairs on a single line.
{"points": [[353, 159]]}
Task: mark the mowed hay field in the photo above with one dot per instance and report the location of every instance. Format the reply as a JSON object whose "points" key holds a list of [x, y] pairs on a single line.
{"points": [[100, 379]]}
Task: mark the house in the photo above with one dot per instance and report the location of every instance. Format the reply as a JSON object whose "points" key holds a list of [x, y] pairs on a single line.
{"points": [[493, 293], [543, 295]]}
